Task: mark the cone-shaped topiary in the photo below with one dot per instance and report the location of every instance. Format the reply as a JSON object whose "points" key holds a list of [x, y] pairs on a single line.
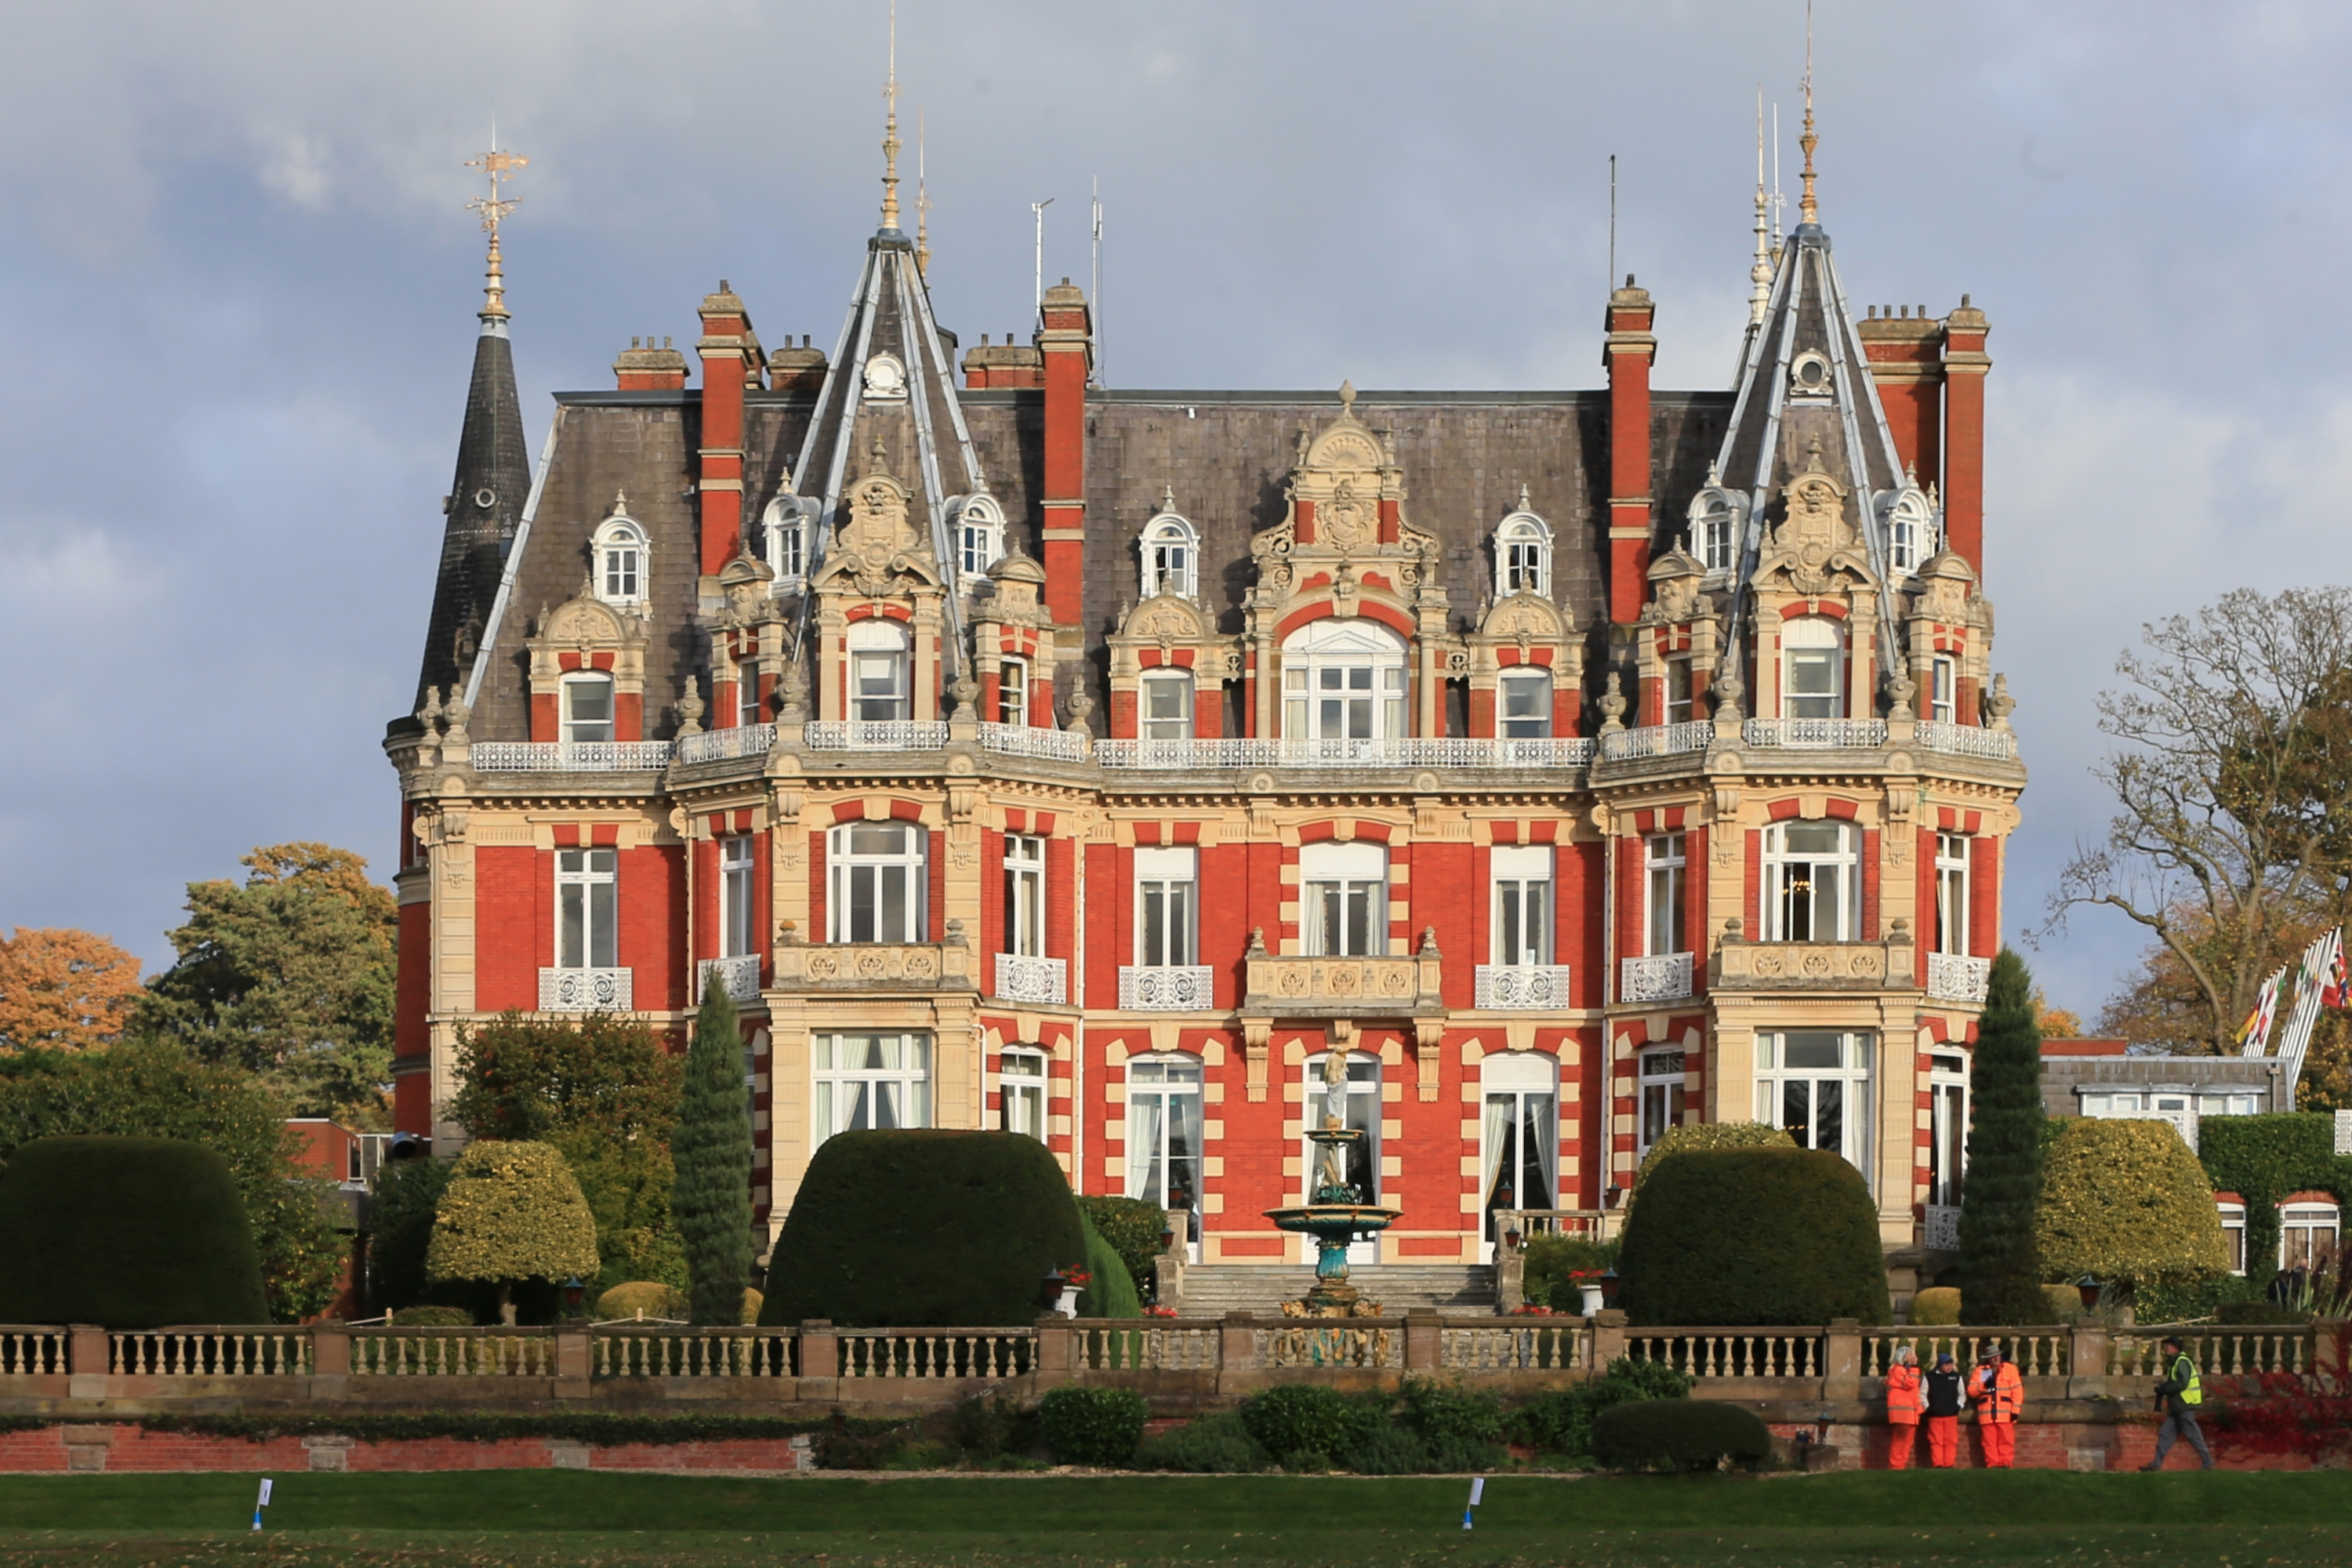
{"points": [[128, 1232], [1110, 1291], [2127, 1201], [1743, 1236], [511, 1211], [923, 1228], [711, 1149], [2001, 1277]]}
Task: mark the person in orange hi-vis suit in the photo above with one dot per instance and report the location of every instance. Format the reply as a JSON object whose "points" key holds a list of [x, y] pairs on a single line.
{"points": [[1946, 1399], [1999, 1395], [1902, 1408]]}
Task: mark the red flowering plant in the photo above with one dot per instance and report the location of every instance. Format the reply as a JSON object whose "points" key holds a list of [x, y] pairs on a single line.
{"points": [[1581, 1275], [1076, 1278], [1532, 1309], [1156, 1310]]}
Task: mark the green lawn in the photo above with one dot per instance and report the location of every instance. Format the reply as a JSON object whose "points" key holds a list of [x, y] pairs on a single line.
{"points": [[605, 1520]]}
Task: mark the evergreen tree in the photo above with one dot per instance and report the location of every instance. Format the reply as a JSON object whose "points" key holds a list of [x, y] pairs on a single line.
{"points": [[2001, 1270], [711, 1149]]}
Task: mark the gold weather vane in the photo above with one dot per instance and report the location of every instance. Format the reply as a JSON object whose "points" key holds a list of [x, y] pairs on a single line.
{"points": [[1808, 210], [498, 167], [890, 131]]}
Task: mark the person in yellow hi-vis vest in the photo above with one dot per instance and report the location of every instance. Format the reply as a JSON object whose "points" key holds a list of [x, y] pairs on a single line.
{"points": [[2178, 1396]]}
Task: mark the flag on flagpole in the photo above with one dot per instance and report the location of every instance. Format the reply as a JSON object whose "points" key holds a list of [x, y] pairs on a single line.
{"points": [[2336, 993], [2255, 1034]]}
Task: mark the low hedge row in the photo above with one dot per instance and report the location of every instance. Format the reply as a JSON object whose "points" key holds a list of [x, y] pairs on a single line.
{"points": [[597, 1428]]}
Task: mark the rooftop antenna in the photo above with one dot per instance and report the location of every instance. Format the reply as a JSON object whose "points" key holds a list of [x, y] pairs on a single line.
{"points": [[890, 131], [1093, 284], [1038, 208], [1808, 210], [1612, 220], [497, 167], [1759, 275], [1778, 201], [922, 206]]}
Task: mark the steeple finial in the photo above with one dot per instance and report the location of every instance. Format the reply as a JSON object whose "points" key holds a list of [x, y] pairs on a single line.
{"points": [[1808, 209], [498, 167], [922, 205], [890, 130], [1759, 275]]}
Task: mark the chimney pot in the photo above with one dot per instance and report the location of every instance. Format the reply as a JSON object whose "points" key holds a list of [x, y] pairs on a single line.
{"points": [[804, 340], [1923, 312], [665, 339], [1964, 301], [1628, 281], [1873, 312], [722, 287]]}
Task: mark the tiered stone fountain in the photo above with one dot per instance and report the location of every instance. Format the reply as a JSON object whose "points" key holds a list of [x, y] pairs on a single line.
{"points": [[1338, 1214]]}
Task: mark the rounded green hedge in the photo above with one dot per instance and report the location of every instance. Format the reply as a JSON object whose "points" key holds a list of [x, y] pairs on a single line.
{"points": [[1678, 1434], [129, 1233], [1761, 1236], [1086, 1426], [916, 1229]]}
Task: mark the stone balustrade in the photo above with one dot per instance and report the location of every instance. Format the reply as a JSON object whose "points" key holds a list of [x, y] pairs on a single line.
{"points": [[1276, 986], [874, 966], [1742, 966]]}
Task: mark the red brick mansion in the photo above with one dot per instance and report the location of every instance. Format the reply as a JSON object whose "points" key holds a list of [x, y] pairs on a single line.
{"points": [[1091, 762]]}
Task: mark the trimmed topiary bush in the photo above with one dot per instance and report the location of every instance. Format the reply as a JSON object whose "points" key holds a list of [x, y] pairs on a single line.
{"points": [[1307, 1427], [1679, 1435], [130, 1233], [1710, 1135], [2000, 1275], [1110, 1292], [2125, 1200], [1133, 1226], [512, 1212], [433, 1318], [922, 1228], [1218, 1444], [1087, 1426], [1741, 1236], [650, 1297], [1936, 1307]]}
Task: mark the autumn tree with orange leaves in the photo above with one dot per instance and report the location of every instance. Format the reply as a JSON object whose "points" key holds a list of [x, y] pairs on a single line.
{"points": [[62, 989]]}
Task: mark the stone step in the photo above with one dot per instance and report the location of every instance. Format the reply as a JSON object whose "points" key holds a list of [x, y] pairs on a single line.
{"points": [[1214, 1290]]}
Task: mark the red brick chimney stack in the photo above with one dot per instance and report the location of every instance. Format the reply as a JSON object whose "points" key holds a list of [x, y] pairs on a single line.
{"points": [[649, 369], [1906, 361], [1628, 355], [1065, 341], [730, 357], [1965, 365]]}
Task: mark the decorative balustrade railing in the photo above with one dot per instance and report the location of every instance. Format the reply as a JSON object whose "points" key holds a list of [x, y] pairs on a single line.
{"points": [[717, 745], [1506, 987], [1710, 1354], [1966, 739], [32, 1351], [1154, 1347], [1595, 1225], [1032, 741], [693, 1352], [1660, 977], [1954, 977], [876, 735], [569, 757], [1023, 979], [1171, 988], [453, 1352], [1528, 1345], [936, 1353], [1332, 1341], [210, 1352], [1815, 734], [1658, 741], [2038, 1353], [2217, 1351], [587, 990], [738, 977], [1395, 751]]}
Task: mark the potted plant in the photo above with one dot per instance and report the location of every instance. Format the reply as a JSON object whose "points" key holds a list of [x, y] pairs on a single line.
{"points": [[1588, 1286], [1075, 1279]]}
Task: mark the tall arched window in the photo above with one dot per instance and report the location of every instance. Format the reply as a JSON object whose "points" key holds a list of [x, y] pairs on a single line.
{"points": [[1343, 680], [1523, 552], [1910, 526], [621, 561], [878, 670], [1813, 669], [1518, 1136], [1163, 1135], [1171, 556], [978, 525], [1812, 881], [785, 527]]}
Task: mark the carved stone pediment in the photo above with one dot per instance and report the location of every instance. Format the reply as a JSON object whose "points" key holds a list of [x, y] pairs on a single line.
{"points": [[746, 585], [586, 622], [1165, 617], [1946, 585], [1525, 617], [1814, 550], [1676, 579], [877, 546]]}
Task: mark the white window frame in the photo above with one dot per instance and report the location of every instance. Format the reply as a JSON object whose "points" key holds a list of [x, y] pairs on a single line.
{"points": [[2234, 1232], [1523, 554], [1802, 1116], [1164, 1160], [1170, 550], [2301, 1225], [1665, 893], [1676, 690], [1013, 690], [1714, 528], [587, 909], [1520, 934], [577, 730], [862, 876], [885, 1094], [1024, 895], [1023, 1080], [1519, 1100], [739, 934], [1951, 935], [1343, 899], [1812, 644], [979, 535], [747, 696], [1167, 908], [785, 527], [1663, 1086], [1943, 690], [1793, 882], [1343, 680], [1910, 532], [1519, 716], [1948, 1129], [880, 651], [1150, 722], [624, 561]]}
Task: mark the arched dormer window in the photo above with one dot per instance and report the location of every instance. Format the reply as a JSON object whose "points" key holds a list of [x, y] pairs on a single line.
{"points": [[1523, 552], [877, 671], [1910, 524], [1715, 517], [622, 558], [785, 535], [1171, 553], [979, 533]]}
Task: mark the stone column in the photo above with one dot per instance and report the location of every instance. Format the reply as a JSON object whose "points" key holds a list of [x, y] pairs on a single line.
{"points": [[1841, 1360]]}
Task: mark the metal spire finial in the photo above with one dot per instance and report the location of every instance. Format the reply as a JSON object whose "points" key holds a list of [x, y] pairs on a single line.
{"points": [[1759, 275], [890, 131], [1808, 209], [497, 167], [922, 205]]}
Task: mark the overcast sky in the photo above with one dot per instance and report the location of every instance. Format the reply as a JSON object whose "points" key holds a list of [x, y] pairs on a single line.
{"points": [[237, 272]]}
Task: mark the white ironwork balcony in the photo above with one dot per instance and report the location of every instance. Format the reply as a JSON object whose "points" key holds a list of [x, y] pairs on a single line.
{"points": [[1167, 988], [877, 735], [1942, 1231], [1521, 987], [1031, 741], [1954, 977], [1658, 740], [1394, 752], [1815, 734], [569, 757], [1660, 977], [1968, 739], [1020, 978], [586, 990], [715, 745], [740, 978]]}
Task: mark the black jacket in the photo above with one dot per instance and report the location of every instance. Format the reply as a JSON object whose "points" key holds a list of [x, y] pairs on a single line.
{"points": [[1943, 1390]]}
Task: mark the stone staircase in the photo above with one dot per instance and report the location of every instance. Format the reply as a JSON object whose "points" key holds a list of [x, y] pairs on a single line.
{"points": [[1211, 1290]]}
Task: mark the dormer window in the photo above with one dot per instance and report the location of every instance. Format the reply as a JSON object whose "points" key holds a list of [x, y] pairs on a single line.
{"points": [[979, 533], [1171, 555], [1714, 516], [620, 561], [786, 526], [1910, 531], [1523, 551], [877, 671], [587, 708]]}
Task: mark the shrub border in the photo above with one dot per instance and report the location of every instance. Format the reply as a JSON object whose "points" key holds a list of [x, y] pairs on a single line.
{"points": [[602, 1430]]}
